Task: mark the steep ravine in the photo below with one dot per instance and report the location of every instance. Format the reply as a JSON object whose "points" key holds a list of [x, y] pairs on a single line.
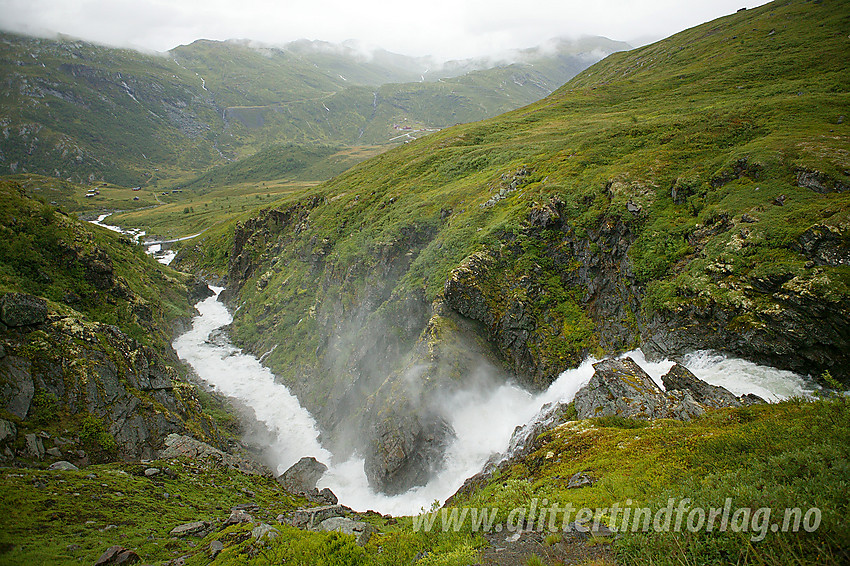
{"points": [[490, 422], [662, 199], [385, 359]]}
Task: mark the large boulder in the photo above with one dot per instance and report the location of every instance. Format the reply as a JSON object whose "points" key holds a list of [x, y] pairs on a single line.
{"points": [[302, 476], [621, 387], [407, 450], [19, 309]]}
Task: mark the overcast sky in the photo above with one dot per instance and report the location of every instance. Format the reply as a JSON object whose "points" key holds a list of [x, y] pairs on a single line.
{"points": [[443, 28]]}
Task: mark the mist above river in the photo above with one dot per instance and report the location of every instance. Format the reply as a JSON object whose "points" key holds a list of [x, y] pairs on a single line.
{"points": [[483, 419]]}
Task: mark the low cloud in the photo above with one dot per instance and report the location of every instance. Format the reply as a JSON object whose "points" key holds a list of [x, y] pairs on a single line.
{"points": [[442, 28]]}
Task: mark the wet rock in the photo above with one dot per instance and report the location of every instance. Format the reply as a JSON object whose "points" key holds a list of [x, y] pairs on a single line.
{"points": [[327, 496], [751, 399], [362, 531], [197, 528], [19, 309], [523, 438], [198, 290], [302, 476], [620, 387], [680, 378], [407, 449]]}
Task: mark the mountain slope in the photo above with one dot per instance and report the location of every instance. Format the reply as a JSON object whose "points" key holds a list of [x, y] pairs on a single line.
{"points": [[86, 321], [689, 194], [89, 113]]}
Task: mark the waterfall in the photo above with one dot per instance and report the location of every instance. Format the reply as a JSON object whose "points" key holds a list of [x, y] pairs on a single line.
{"points": [[483, 419]]}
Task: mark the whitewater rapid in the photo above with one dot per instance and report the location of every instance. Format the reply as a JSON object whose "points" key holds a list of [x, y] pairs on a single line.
{"points": [[483, 420], [154, 249]]}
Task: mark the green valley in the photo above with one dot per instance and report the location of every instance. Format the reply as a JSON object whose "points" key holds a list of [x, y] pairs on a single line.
{"points": [[398, 243]]}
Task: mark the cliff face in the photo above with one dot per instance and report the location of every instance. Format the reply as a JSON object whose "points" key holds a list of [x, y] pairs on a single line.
{"points": [[86, 319], [60, 369]]}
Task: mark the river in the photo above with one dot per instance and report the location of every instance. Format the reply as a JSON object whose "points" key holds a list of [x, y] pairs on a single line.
{"points": [[483, 420]]}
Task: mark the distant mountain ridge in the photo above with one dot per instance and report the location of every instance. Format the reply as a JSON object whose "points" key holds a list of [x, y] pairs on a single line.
{"points": [[90, 113]]}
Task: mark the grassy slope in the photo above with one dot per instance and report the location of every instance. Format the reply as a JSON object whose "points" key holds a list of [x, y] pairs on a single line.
{"points": [[46, 253], [793, 454], [767, 85], [68, 109]]}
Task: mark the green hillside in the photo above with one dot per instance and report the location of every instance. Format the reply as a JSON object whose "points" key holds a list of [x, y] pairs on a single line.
{"points": [[689, 194], [88, 113], [85, 270]]}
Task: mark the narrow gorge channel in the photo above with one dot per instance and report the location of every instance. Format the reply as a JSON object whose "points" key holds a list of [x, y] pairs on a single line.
{"points": [[483, 420]]}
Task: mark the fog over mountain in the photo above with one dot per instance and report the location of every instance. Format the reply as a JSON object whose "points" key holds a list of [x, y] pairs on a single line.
{"points": [[446, 30]]}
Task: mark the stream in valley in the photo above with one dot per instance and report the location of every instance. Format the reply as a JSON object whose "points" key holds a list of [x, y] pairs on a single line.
{"points": [[483, 420]]}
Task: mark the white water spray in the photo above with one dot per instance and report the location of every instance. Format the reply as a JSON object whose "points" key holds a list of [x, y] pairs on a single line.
{"points": [[483, 420]]}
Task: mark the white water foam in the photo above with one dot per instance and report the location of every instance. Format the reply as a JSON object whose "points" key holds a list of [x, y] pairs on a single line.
{"points": [[241, 376], [483, 419], [154, 249]]}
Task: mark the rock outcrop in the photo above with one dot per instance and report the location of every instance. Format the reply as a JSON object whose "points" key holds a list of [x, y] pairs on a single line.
{"points": [[19, 309], [182, 446], [407, 452], [620, 387], [93, 370], [680, 378]]}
